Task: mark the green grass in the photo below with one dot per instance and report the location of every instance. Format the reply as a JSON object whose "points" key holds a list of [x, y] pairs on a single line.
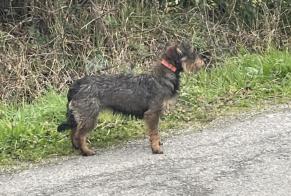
{"points": [[28, 131]]}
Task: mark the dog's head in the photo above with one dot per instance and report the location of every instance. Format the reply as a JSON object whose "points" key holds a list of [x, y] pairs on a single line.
{"points": [[183, 58]]}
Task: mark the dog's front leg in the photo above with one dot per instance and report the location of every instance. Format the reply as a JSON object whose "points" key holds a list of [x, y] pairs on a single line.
{"points": [[152, 120]]}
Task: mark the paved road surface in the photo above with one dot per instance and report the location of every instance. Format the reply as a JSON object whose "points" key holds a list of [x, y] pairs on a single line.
{"points": [[244, 157]]}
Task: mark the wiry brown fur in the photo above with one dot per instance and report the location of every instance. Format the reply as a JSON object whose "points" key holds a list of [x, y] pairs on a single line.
{"points": [[144, 96]]}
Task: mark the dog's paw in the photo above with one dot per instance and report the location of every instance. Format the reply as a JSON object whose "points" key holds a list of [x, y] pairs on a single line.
{"points": [[157, 151], [88, 152]]}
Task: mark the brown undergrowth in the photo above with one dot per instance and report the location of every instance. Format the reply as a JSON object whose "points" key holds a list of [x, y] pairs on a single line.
{"points": [[46, 44]]}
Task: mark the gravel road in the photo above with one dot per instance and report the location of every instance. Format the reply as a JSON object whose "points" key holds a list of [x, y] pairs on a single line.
{"points": [[249, 156]]}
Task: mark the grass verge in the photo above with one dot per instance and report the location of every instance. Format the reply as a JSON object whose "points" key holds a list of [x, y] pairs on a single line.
{"points": [[28, 131]]}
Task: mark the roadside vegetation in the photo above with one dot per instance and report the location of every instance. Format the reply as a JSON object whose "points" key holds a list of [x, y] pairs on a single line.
{"points": [[42, 51]]}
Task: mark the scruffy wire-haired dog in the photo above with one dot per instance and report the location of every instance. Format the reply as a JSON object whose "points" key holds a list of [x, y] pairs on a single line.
{"points": [[143, 96]]}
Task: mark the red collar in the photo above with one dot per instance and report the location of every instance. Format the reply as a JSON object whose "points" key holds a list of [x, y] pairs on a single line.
{"points": [[168, 65]]}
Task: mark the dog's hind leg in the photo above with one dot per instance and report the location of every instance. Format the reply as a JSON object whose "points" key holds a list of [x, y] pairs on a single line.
{"points": [[85, 112], [86, 151], [75, 138], [151, 118]]}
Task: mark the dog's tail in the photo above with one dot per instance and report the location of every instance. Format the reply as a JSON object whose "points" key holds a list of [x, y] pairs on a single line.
{"points": [[63, 126]]}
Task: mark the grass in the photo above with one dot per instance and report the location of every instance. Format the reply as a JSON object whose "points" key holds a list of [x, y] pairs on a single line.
{"points": [[28, 131]]}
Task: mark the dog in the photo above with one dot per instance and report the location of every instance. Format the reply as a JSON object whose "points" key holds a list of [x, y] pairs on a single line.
{"points": [[144, 96]]}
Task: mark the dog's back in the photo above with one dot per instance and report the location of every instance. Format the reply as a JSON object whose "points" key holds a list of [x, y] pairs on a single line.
{"points": [[126, 94]]}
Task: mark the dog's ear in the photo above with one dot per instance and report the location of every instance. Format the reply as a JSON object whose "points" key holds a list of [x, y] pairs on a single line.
{"points": [[184, 49]]}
